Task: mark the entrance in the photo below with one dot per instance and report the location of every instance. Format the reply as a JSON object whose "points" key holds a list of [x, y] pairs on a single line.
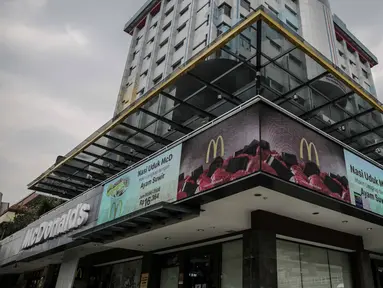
{"points": [[196, 268]]}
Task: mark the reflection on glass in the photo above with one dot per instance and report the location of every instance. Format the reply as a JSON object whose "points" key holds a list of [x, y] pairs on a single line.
{"points": [[302, 266], [340, 269], [126, 275], [288, 266], [169, 277], [314, 267], [232, 265]]}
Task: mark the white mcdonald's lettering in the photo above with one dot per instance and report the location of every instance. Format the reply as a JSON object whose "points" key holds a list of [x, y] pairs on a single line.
{"points": [[310, 148], [214, 143], [73, 219]]}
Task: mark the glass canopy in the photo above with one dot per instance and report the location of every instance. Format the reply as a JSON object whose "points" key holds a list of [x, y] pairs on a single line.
{"points": [[258, 56]]}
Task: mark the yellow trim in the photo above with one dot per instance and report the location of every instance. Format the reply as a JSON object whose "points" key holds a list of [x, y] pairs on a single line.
{"points": [[314, 55], [190, 65]]}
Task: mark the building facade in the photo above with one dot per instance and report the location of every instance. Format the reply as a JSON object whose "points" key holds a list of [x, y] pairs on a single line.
{"points": [[253, 162], [165, 34]]}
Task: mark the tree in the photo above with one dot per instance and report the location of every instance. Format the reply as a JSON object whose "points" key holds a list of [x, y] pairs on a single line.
{"points": [[27, 215]]}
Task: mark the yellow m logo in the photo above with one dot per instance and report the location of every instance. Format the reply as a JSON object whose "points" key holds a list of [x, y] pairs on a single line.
{"points": [[310, 148], [114, 209], [214, 143]]}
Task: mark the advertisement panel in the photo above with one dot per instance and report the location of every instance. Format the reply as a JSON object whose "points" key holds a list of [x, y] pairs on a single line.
{"points": [[366, 183], [223, 153], [295, 153], [151, 183]]}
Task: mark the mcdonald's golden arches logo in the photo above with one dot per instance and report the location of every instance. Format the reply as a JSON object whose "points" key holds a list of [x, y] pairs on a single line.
{"points": [[214, 143], [79, 273], [115, 209], [310, 147]]}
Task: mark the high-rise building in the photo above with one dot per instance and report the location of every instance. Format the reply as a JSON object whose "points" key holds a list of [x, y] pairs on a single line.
{"points": [[165, 34], [245, 151]]}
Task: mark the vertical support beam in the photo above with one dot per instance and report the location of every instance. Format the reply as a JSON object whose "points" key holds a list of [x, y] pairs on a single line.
{"points": [[259, 56], [363, 275], [259, 259], [151, 271], [67, 271]]}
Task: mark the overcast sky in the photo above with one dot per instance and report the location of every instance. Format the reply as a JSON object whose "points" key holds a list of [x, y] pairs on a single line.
{"points": [[61, 64]]}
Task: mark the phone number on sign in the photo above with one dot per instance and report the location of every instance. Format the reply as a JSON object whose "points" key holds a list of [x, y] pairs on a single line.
{"points": [[148, 198]]}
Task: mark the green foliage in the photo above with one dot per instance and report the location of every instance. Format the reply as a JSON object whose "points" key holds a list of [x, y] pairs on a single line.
{"points": [[27, 215]]}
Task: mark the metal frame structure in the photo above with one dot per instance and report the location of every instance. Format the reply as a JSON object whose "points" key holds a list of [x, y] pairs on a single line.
{"points": [[116, 146]]}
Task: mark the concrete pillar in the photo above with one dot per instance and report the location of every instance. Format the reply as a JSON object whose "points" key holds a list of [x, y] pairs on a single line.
{"points": [[259, 259], [67, 271], [151, 271], [363, 275]]}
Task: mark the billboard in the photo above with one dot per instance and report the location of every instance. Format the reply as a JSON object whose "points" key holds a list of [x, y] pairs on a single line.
{"points": [[297, 154], [153, 182], [223, 153], [366, 183]]}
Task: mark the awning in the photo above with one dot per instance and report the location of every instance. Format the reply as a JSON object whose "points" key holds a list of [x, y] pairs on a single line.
{"points": [[156, 216], [236, 67]]}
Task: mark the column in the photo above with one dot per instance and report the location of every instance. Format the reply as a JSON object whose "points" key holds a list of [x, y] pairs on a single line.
{"points": [[363, 275], [259, 259], [67, 271], [151, 271]]}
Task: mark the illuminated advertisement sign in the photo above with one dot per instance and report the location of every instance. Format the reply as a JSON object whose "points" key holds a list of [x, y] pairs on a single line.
{"points": [[297, 154], [153, 182], [366, 183], [223, 153]]}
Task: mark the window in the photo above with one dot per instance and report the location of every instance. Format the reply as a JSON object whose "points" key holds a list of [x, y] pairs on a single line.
{"points": [[291, 10], [355, 77], [179, 45], [222, 28], [134, 55], [367, 86], [138, 40], [179, 29], [274, 44], [200, 44], [151, 40], [157, 79], [163, 43], [341, 54], [343, 67], [245, 42], [129, 84], [365, 74], [352, 63], [167, 26], [131, 69], [183, 11], [306, 266], [144, 74], [295, 60], [272, 9], [225, 9], [295, 28], [159, 61], [148, 56], [232, 263], [141, 92], [154, 25], [167, 13], [178, 63], [245, 4]]}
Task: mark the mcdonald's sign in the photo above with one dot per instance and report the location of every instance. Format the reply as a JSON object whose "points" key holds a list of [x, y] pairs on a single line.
{"points": [[79, 273], [310, 147], [214, 143], [115, 209]]}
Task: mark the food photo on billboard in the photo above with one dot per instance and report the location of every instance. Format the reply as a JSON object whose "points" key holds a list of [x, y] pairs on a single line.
{"points": [[223, 153], [297, 154]]}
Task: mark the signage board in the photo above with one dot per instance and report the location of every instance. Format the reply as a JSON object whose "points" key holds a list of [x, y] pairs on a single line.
{"points": [[366, 183], [223, 153], [62, 224], [297, 154], [152, 182]]}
